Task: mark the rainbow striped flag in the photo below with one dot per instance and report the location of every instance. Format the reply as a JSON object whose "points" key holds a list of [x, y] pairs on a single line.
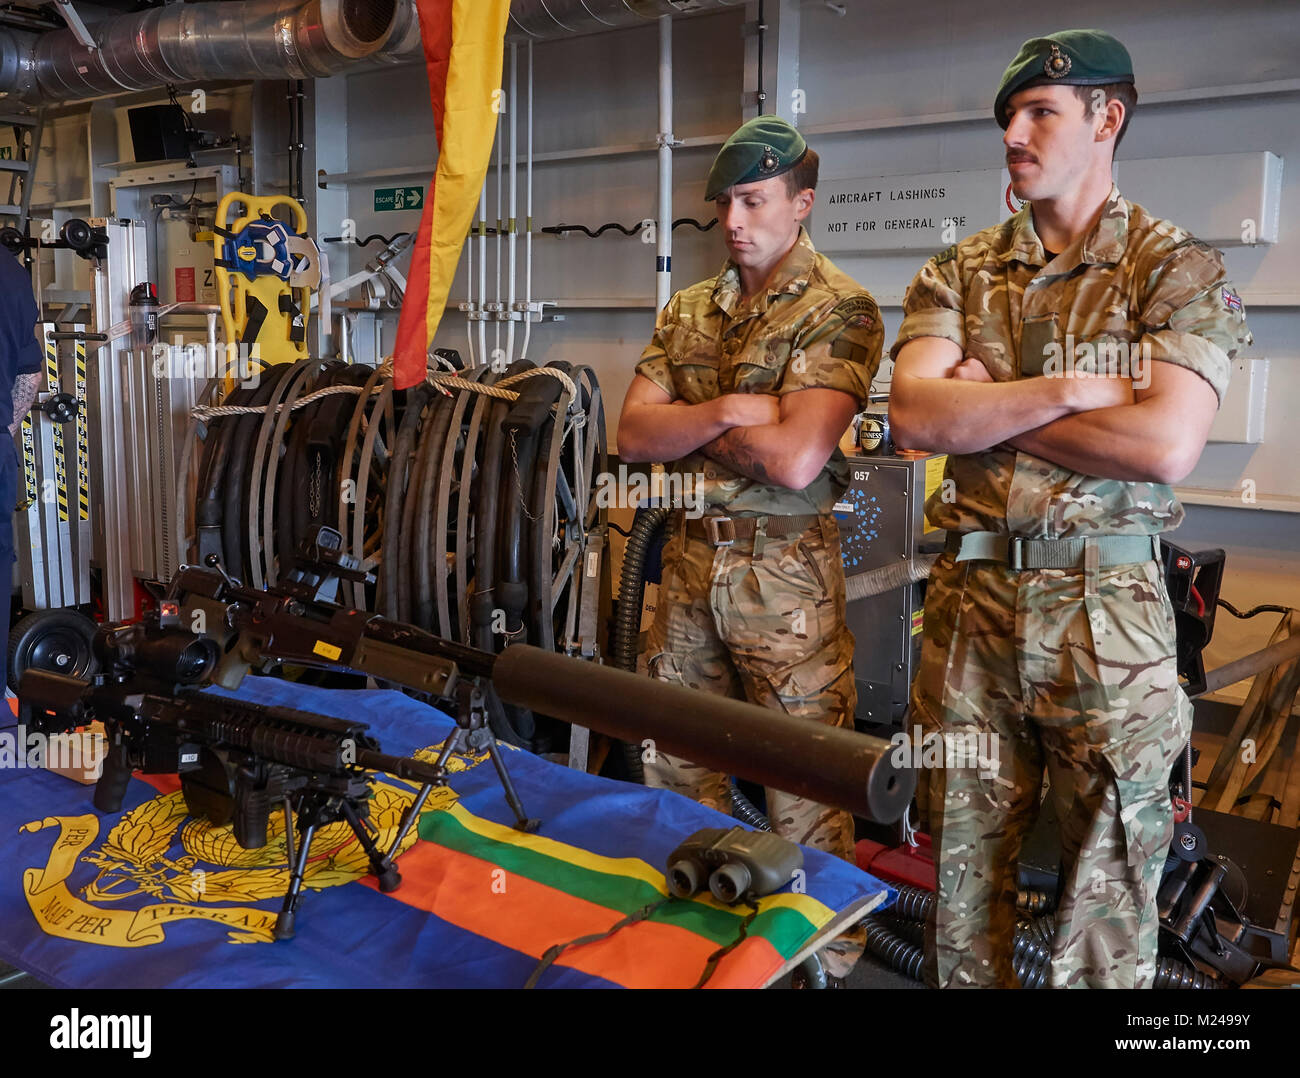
{"points": [[463, 43], [149, 897]]}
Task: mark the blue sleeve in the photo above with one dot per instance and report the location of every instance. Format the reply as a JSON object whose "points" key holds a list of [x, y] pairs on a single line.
{"points": [[20, 329]]}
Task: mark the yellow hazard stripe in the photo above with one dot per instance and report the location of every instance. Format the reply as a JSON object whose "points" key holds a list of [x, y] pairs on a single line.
{"points": [[60, 469], [83, 437], [29, 459]]}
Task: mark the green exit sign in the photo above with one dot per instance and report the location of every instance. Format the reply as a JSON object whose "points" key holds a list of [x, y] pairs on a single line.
{"points": [[399, 198]]}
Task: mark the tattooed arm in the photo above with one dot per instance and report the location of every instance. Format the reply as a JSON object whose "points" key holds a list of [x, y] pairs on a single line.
{"points": [[25, 386], [793, 451]]}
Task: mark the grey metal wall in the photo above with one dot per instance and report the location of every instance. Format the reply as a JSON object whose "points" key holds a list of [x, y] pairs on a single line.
{"points": [[898, 70]]}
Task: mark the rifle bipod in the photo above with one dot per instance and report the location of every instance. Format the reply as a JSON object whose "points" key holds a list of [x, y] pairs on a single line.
{"points": [[317, 807]]}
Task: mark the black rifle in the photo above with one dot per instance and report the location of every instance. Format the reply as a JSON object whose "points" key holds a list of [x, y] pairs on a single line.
{"points": [[236, 761], [297, 623]]}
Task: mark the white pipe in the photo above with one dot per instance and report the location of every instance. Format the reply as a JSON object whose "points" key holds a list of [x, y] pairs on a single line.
{"points": [[514, 166], [469, 297], [212, 339], [664, 230], [482, 273], [528, 211], [496, 340]]}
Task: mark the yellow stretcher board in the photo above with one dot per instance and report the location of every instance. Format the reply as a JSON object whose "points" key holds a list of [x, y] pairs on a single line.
{"points": [[260, 308]]}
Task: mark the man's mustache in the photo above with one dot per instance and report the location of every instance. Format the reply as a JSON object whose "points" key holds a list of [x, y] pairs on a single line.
{"points": [[1021, 158]]}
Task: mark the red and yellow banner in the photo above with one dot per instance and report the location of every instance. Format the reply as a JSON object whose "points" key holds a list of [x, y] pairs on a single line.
{"points": [[463, 44]]}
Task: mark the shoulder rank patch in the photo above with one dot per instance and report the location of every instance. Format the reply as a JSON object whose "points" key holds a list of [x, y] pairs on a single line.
{"points": [[1231, 301], [855, 306], [946, 255]]}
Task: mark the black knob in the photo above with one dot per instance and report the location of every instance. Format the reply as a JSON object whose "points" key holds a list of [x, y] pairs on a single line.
{"points": [[62, 407]]}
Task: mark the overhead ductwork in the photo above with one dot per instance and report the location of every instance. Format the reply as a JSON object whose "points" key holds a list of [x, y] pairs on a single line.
{"points": [[183, 43], [540, 19], [272, 39]]}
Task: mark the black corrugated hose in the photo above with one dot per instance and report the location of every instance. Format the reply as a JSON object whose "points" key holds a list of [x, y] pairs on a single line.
{"points": [[1031, 954], [646, 528]]}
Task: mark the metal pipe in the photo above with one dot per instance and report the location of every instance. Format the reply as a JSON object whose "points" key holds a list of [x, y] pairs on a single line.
{"points": [[191, 41], [528, 214], [469, 297], [212, 338], [482, 273], [513, 207], [664, 231], [496, 298], [538, 19], [1255, 663]]}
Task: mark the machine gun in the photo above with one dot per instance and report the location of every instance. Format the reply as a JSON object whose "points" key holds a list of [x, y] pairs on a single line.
{"points": [[296, 622], [236, 761]]}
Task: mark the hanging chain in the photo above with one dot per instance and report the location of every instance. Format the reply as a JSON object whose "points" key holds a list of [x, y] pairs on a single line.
{"points": [[514, 456], [313, 491]]}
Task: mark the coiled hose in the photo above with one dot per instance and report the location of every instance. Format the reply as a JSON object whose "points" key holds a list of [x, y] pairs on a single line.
{"points": [[646, 529], [1031, 953]]}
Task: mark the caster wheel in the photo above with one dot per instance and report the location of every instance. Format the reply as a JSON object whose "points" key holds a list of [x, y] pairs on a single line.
{"points": [[54, 640]]}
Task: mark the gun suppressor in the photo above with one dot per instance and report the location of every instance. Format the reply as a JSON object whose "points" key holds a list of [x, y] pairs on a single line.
{"points": [[831, 765]]}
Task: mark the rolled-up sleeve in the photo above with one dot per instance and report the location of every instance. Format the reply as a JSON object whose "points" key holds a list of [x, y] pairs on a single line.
{"points": [[841, 351], [1193, 316], [653, 363], [933, 306]]}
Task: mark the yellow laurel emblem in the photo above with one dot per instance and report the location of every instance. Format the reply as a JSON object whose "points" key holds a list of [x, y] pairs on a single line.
{"points": [[209, 871]]}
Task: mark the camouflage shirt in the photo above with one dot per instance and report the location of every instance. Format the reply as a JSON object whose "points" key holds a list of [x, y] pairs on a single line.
{"points": [[812, 327], [1133, 288]]}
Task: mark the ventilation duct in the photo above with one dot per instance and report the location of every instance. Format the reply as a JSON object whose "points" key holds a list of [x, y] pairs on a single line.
{"points": [[273, 39], [180, 42], [538, 19]]}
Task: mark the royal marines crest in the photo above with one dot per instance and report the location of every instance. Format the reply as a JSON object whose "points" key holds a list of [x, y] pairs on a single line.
{"points": [[189, 869], [1057, 66], [769, 162]]}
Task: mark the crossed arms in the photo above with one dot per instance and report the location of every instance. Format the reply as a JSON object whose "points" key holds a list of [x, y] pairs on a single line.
{"points": [[1101, 426], [783, 440]]}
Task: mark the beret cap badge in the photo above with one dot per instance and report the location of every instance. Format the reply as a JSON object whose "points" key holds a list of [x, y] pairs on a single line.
{"points": [[1056, 65], [769, 162]]}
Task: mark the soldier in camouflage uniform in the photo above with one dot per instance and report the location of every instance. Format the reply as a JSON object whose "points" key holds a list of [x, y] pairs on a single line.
{"points": [[1048, 630], [751, 603]]}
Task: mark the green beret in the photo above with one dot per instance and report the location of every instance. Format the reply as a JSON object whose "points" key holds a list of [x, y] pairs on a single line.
{"points": [[1068, 58], [764, 147]]}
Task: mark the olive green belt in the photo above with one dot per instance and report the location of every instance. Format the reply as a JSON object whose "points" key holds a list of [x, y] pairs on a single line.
{"points": [[724, 530], [1019, 553]]}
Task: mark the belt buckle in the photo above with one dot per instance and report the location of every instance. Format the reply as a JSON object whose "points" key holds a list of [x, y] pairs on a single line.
{"points": [[1015, 553], [720, 531]]}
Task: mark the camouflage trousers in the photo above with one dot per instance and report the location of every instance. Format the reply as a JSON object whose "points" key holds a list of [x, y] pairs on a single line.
{"points": [[1073, 672], [762, 620]]}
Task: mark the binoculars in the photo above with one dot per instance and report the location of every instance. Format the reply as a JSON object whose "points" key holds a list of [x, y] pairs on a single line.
{"points": [[737, 864]]}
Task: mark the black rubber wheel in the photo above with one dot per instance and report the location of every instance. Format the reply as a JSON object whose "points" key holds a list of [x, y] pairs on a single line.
{"points": [[55, 640], [77, 234]]}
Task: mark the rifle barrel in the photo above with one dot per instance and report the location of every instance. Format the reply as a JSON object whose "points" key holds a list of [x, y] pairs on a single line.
{"points": [[404, 767], [834, 766]]}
